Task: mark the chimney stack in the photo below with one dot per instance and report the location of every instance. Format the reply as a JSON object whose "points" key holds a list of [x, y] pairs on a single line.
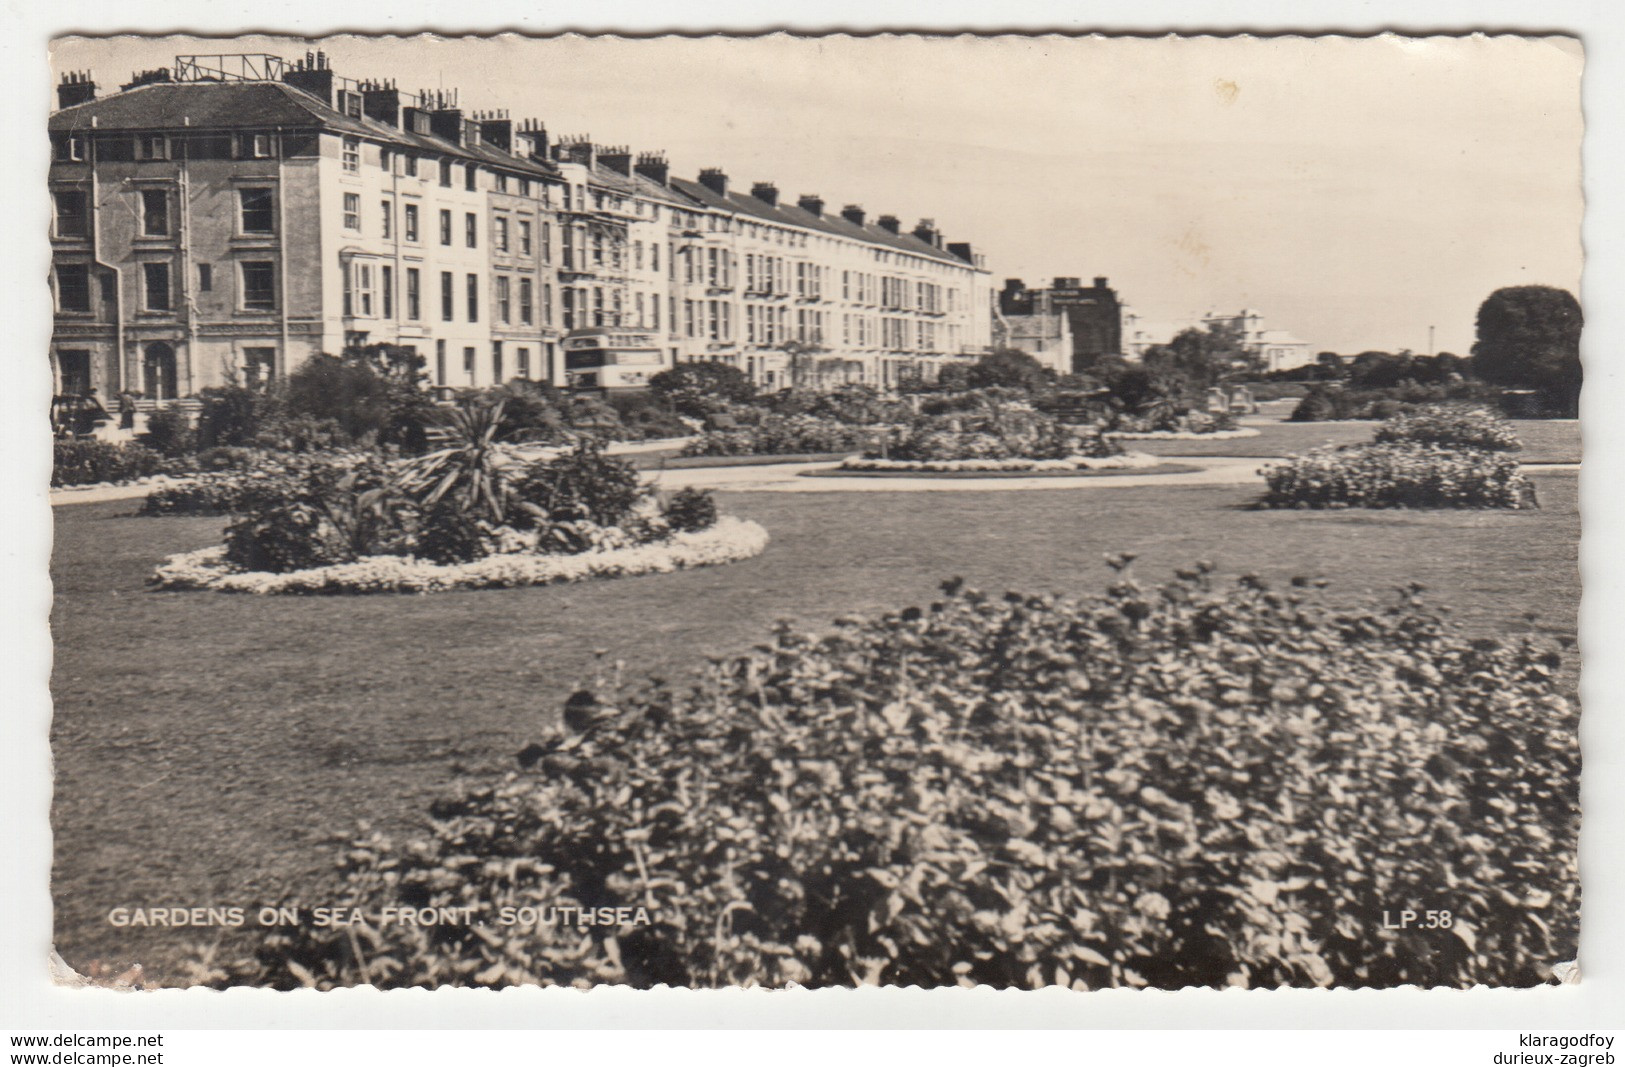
{"points": [[313, 75], [534, 136], [715, 180], [766, 192], [496, 129], [853, 213], [445, 117], [576, 149], [963, 250], [652, 165], [927, 231], [381, 102], [617, 158], [139, 78], [812, 205], [76, 88], [1100, 282], [1066, 283], [889, 223]]}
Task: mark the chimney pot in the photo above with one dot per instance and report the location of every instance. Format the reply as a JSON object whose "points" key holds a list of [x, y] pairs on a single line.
{"points": [[652, 165], [76, 88], [714, 179]]}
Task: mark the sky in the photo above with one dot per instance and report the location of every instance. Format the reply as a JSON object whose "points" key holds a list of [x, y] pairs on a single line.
{"points": [[1355, 191]]}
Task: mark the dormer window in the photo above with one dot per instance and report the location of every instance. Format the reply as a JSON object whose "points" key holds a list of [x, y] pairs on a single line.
{"points": [[152, 146]]}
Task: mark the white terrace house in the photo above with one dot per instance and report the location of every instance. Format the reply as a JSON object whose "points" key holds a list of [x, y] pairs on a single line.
{"points": [[227, 218]]}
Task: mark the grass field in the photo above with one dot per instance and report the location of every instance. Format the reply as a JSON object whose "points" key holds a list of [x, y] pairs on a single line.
{"points": [[208, 746], [1544, 441]]}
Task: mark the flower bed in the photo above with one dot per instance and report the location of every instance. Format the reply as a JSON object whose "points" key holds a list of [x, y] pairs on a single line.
{"points": [[783, 435], [249, 476], [728, 540], [1184, 435], [1205, 783], [1128, 460], [1398, 475], [1450, 426], [84, 463]]}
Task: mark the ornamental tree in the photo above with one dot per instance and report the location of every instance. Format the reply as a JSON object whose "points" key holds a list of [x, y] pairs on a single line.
{"points": [[1529, 338]]}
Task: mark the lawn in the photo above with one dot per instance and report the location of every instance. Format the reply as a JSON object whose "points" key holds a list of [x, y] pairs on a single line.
{"points": [[209, 747], [1544, 440]]}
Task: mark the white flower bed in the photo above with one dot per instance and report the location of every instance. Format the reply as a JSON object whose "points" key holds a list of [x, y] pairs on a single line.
{"points": [[731, 539], [154, 480], [1126, 461], [1185, 435]]}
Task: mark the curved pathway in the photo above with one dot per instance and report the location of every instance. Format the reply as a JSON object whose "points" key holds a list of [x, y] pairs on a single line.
{"points": [[786, 478]]}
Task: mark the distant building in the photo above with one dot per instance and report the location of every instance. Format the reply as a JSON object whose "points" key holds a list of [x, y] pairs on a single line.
{"points": [[1094, 316], [1279, 349], [1045, 337]]}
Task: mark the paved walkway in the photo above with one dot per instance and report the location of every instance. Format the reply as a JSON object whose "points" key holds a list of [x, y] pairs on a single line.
{"points": [[786, 478]]}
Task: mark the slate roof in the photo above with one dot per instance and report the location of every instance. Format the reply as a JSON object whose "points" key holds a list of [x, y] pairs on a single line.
{"points": [[266, 104], [794, 215], [258, 105]]}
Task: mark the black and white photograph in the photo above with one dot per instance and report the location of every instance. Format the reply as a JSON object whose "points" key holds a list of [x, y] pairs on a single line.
{"points": [[908, 510]]}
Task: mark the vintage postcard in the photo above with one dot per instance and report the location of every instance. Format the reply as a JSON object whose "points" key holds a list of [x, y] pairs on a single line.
{"points": [[909, 510]]}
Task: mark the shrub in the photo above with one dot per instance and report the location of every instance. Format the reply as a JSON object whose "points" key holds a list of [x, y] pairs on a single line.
{"points": [[996, 430], [1452, 427], [333, 510], [852, 404], [1399, 474], [644, 417], [1192, 785], [697, 389], [1327, 402], [285, 432], [235, 480], [690, 509], [170, 433], [984, 401], [89, 462], [583, 484], [781, 435], [231, 415], [374, 394]]}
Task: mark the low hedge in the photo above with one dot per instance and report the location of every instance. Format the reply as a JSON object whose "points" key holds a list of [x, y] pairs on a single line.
{"points": [[1398, 474], [1198, 784], [91, 462], [1450, 426], [783, 435]]}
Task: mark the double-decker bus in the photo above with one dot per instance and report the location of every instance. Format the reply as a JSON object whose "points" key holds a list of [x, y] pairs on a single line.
{"points": [[604, 357]]}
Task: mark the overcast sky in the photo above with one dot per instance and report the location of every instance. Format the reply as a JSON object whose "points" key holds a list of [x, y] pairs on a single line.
{"points": [[1354, 191]]}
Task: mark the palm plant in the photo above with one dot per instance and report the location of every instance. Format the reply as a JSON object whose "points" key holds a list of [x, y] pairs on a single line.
{"points": [[468, 473]]}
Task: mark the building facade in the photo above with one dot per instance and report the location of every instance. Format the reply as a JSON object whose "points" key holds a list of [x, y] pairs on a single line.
{"points": [[1276, 349], [1093, 313], [227, 219], [1047, 338]]}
